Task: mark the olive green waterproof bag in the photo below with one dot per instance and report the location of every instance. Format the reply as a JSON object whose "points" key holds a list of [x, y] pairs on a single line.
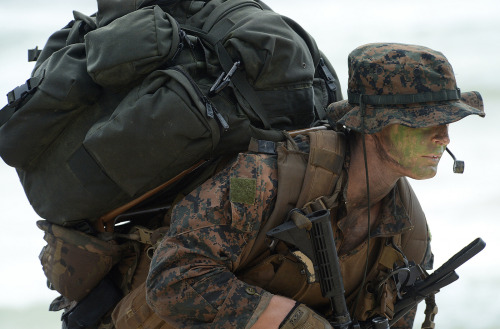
{"points": [[122, 101]]}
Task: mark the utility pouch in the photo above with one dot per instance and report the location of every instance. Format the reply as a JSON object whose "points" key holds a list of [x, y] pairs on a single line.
{"points": [[134, 312], [74, 262], [281, 274], [60, 89], [377, 300], [172, 108], [114, 58], [379, 295], [88, 312]]}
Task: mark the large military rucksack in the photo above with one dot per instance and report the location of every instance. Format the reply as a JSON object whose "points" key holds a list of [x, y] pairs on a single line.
{"points": [[122, 101]]}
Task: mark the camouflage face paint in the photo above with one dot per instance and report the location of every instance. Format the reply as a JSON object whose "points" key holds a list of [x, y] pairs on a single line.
{"points": [[415, 151]]}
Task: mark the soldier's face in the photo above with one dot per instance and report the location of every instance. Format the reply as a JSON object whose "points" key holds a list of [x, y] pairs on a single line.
{"points": [[414, 152]]}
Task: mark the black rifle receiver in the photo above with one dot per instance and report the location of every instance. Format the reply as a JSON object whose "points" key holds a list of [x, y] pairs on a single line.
{"points": [[440, 278], [319, 245]]}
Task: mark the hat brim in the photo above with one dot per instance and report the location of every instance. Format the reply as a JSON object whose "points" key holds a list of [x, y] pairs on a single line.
{"points": [[411, 115]]}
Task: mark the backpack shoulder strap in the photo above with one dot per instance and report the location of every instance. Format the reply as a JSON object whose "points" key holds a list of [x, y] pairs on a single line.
{"points": [[326, 159], [301, 177]]}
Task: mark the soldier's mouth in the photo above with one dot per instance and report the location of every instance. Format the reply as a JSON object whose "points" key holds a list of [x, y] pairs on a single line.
{"points": [[432, 157]]}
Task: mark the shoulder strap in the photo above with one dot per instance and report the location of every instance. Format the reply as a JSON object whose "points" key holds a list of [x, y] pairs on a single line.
{"points": [[326, 158], [302, 179], [296, 173]]}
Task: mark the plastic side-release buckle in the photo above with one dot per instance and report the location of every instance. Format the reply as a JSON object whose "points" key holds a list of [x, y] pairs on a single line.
{"points": [[262, 146], [15, 96], [33, 54]]}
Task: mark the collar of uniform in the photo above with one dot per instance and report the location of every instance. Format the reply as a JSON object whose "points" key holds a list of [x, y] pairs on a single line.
{"points": [[393, 218]]}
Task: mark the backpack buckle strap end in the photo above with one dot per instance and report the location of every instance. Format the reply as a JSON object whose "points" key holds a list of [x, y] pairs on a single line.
{"points": [[18, 94], [431, 310], [34, 54], [319, 203], [262, 146]]}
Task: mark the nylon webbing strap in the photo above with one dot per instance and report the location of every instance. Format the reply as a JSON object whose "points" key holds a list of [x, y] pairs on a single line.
{"points": [[326, 157], [223, 9], [399, 99], [240, 82], [16, 96], [217, 29]]}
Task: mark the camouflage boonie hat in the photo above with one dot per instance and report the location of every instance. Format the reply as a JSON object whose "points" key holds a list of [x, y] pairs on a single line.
{"points": [[394, 83]]}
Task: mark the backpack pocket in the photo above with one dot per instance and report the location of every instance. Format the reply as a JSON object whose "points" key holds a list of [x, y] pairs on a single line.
{"points": [[132, 46], [160, 128], [65, 88]]}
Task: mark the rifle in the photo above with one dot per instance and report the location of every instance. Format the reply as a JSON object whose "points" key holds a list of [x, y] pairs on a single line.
{"points": [[440, 278], [319, 245], [317, 242]]}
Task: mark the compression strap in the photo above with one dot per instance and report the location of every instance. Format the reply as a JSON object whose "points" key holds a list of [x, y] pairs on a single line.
{"points": [[400, 99]]}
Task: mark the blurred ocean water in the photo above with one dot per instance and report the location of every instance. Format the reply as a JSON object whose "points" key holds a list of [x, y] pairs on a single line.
{"points": [[459, 208]]}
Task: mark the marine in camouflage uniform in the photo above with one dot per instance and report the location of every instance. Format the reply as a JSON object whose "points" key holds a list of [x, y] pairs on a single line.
{"points": [[213, 270]]}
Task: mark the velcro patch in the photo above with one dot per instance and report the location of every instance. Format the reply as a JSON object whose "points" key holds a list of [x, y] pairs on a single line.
{"points": [[243, 190]]}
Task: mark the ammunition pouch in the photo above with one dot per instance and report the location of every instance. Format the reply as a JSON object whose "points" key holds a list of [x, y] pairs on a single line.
{"points": [[377, 299], [379, 295], [288, 275], [75, 262]]}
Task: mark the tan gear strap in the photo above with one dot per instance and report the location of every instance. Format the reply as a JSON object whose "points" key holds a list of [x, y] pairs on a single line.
{"points": [[291, 169], [302, 177], [142, 234], [326, 158], [302, 317], [431, 310]]}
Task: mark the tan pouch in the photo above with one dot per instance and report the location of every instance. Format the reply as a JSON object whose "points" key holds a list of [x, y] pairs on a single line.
{"points": [[75, 262], [133, 312]]}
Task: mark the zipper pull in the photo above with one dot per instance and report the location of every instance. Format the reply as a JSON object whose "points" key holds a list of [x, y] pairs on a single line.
{"points": [[210, 108], [223, 80], [222, 121], [214, 114]]}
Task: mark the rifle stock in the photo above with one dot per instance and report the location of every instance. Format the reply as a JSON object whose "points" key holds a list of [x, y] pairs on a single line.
{"points": [[319, 245]]}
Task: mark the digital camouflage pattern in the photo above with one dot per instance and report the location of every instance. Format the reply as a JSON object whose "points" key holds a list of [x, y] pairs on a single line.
{"points": [[196, 279], [401, 84], [75, 262], [191, 279]]}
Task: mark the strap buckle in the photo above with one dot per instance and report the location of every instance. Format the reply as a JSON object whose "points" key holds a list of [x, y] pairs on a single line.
{"points": [[18, 94], [431, 310], [223, 80]]}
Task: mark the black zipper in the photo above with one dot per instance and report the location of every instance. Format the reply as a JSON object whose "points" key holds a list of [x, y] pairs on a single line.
{"points": [[211, 110]]}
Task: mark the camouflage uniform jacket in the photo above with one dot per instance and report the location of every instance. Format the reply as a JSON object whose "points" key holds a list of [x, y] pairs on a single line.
{"points": [[197, 274]]}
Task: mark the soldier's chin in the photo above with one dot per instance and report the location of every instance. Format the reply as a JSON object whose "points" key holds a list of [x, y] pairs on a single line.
{"points": [[427, 174]]}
